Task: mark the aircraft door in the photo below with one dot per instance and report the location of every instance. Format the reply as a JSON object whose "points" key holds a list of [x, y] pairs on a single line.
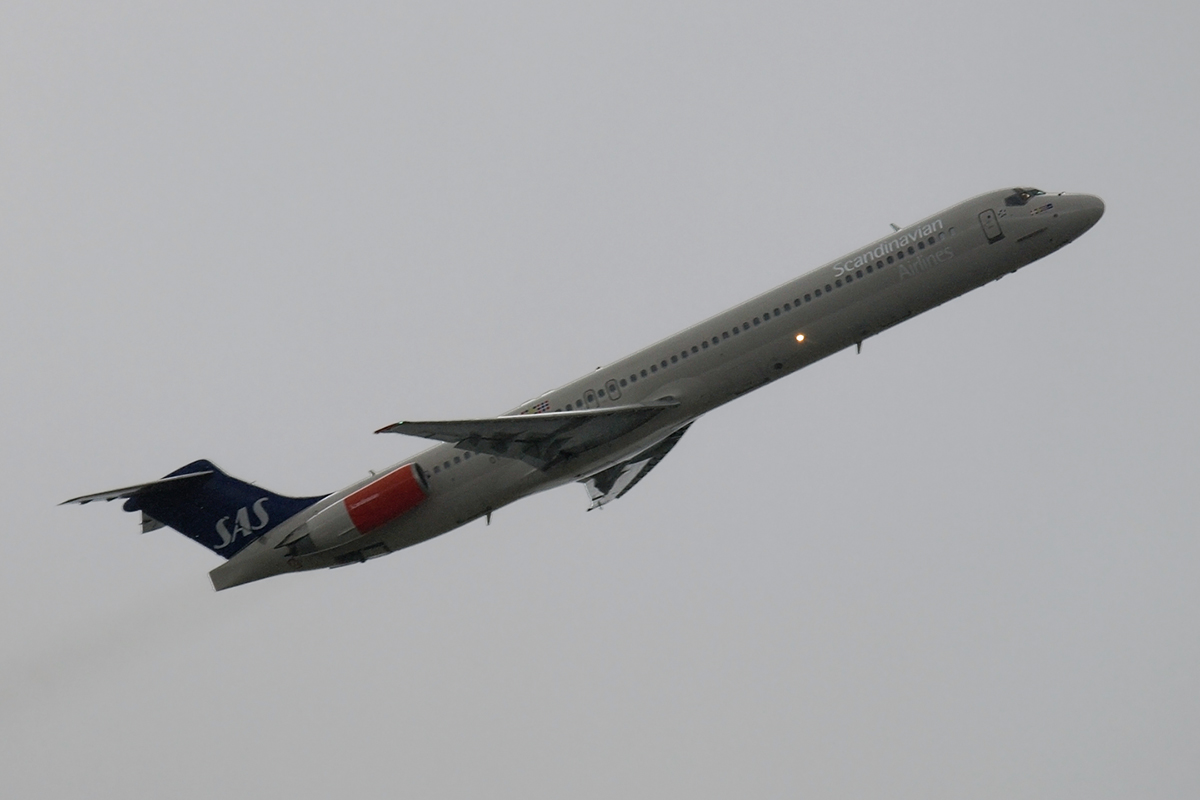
{"points": [[991, 226], [614, 391]]}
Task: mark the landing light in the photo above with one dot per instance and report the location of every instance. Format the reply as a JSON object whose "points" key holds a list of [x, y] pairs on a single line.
{"points": [[799, 337]]}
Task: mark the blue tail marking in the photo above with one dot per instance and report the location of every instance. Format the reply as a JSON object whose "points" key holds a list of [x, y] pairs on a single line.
{"points": [[220, 512]]}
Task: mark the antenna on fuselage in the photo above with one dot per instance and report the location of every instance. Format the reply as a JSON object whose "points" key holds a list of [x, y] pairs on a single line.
{"points": [[894, 227]]}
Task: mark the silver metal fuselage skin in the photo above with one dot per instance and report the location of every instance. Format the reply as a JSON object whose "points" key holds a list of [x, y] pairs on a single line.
{"points": [[833, 307]]}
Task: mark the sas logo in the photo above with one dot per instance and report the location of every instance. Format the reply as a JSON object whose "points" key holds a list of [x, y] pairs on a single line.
{"points": [[241, 523]]}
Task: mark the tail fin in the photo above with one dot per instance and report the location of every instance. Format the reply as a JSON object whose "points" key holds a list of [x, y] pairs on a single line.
{"points": [[204, 504]]}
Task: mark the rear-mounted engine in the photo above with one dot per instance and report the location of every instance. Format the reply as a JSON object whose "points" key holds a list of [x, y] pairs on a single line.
{"points": [[379, 502], [385, 499]]}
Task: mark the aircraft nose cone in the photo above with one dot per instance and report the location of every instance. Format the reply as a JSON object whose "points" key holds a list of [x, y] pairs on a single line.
{"points": [[1091, 209]]}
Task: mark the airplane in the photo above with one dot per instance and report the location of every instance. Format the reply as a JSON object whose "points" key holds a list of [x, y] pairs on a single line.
{"points": [[610, 428]]}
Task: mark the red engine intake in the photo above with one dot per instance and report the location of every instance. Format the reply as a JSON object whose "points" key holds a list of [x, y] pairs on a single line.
{"points": [[385, 499]]}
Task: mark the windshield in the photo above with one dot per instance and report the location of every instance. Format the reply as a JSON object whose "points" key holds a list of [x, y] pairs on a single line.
{"points": [[1020, 197]]}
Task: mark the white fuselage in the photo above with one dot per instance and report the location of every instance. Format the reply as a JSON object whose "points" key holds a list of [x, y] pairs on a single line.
{"points": [[831, 308]]}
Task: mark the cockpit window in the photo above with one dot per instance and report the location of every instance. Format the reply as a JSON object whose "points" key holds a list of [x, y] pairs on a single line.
{"points": [[1020, 197]]}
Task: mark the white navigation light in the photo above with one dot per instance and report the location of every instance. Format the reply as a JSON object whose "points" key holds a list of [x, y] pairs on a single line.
{"points": [[799, 337]]}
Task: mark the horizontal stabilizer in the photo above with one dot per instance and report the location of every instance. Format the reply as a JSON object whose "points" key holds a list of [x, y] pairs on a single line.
{"points": [[204, 504], [166, 484], [541, 440]]}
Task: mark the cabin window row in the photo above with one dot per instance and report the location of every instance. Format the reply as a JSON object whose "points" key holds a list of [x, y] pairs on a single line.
{"points": [[737, 330], [466, 456]]}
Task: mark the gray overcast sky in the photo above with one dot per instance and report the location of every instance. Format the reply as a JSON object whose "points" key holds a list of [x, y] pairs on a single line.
{"points": [[962, 564]]}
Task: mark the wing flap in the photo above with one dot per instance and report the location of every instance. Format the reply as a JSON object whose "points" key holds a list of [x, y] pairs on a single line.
{"points": [[541, 440], [616, 481]]}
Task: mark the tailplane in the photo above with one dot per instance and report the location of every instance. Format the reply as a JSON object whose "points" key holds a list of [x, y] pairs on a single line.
{"points": [[204, 504]]}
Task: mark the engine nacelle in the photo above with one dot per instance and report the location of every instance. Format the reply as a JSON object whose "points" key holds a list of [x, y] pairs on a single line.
{"points": [[384, 499], [379, 502]]}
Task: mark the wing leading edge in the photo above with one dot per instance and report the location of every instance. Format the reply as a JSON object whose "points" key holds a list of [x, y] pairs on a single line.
{"points": [[541, 440]]}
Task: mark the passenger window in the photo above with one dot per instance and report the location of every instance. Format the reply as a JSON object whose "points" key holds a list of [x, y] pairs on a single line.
{"points": [[704, 344], [869, 270], [858, 273], [601, 393], [787, 306], [776, 312], [736, 331], [724, 335], [808, 298], [466, 455], [623, 383], [697, 349], [664, 363], [900, 255], [889, 259], [654, 367], [920, 245], [828, 288], [457, 460], [756, 320], [683, 354], [817, 292], [910, 250], [579, 404], [745, 326], [878, 265], [446, 465], [838, 283], [437, 470], [674, 360]]}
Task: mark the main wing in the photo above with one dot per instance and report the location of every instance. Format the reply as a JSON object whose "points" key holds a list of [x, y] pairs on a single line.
{"points": [[541, 440]]}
